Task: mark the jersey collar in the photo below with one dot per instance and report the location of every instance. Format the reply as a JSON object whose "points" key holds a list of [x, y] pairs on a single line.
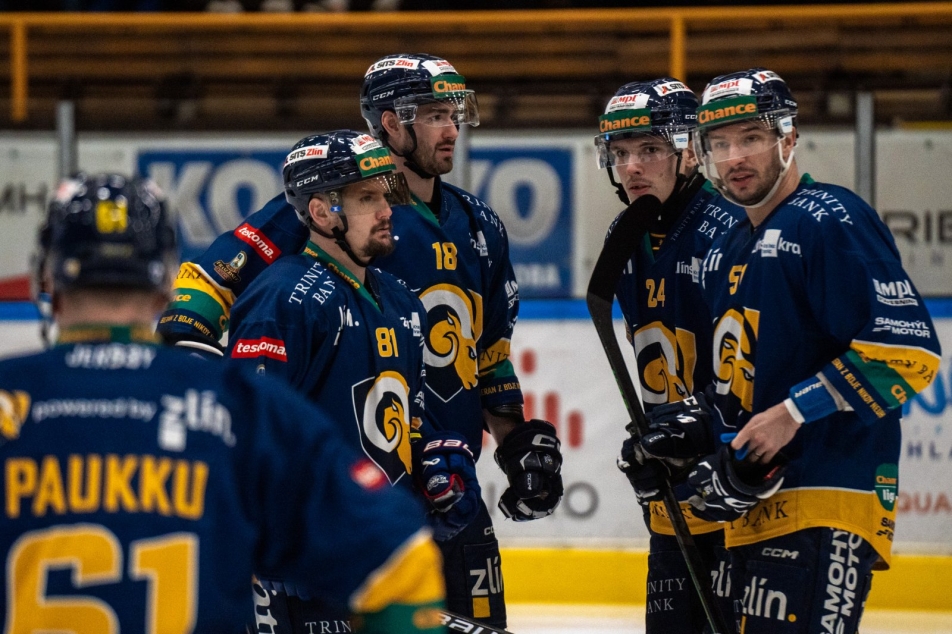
{"points": [[423, 209], [322, 256], [106, 333]]}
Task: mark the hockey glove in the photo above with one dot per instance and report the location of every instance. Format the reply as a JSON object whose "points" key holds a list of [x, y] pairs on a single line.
{"points": [[645, 474], [727, 488], [529, 456], [444, 470], [680, 433]]}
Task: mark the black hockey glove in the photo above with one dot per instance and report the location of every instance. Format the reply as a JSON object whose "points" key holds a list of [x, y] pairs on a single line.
{"points": [[444, 470], [680, 433], [727, 488], [645, 474], [529, 456]]}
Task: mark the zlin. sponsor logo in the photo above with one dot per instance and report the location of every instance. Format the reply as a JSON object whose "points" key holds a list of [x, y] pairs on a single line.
{"points": [[264, 347], [266, 249]]}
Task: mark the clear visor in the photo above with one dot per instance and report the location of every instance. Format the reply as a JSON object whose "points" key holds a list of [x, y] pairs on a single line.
{"points": [[371, 195], [642, 148], [719, 149], [739, 140], [455, 110]]}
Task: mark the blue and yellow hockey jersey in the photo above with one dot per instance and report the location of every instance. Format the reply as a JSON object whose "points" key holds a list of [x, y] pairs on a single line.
{"points": [[142, 486], [666, 319], [814, 305], [458, 264], [354, 349]]}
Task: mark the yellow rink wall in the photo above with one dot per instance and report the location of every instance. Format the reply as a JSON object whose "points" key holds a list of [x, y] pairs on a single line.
{"points": [[568, 575]]}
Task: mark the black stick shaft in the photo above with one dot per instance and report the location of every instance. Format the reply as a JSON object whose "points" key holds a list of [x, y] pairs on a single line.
{"points": [[627, 233]]}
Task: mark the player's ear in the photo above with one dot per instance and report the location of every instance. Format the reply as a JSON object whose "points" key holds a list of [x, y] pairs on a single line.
{"points": [[789, 141], [390, 123], [318, 208], [688, 159]]}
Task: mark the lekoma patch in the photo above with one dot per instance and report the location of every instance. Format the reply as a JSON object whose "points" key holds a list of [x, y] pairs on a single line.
{"points": [[264, 247], [263, 347]]}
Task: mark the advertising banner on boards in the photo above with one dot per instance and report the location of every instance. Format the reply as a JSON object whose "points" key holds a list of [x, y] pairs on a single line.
{"points": [[544, 185]]}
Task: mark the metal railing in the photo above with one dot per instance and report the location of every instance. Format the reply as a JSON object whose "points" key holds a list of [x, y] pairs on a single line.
{"points": [[677, 23]]}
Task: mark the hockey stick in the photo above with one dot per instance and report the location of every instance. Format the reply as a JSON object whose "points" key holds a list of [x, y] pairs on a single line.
{"points": [[459, 623], [626, 235]]}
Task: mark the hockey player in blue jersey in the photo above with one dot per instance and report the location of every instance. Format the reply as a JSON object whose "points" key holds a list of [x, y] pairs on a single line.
{"points": [[350, 336], [813, 361], [143, 486], [452, 251], [644, 143]]}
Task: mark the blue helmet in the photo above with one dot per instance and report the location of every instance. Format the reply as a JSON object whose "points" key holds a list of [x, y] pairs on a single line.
{"points": [[326, 163], [662, 107], [758, 95], [402, 82], [107, 230]]}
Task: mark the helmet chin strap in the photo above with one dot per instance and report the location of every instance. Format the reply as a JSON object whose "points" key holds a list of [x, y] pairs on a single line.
{"points": [[338, 236], [407, 157], [669, 212]]}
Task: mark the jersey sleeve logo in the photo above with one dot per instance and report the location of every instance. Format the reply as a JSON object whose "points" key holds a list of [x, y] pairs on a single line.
{"points": [[382, 408], [263, 347], [455, 319], [262, 245]]}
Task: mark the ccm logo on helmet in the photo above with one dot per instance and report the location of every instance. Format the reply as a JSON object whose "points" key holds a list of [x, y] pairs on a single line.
{"points": [[706, 116], [264, 347], [263, 247], [370, 162]]}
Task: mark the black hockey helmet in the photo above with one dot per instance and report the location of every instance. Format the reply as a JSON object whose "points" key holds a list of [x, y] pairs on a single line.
{"points": [[402, 82], [328, 162], [664, 108], [107, 230]]}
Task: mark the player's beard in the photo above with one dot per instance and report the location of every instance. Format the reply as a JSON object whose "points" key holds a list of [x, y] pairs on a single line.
{"points": [[763, 185], [379, 246], [431, 163]]}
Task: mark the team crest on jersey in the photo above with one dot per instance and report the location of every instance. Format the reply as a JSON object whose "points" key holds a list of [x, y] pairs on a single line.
{"points": [[455, 319], [668, 359], [735, 345], [14, 407], [382, 408]]}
